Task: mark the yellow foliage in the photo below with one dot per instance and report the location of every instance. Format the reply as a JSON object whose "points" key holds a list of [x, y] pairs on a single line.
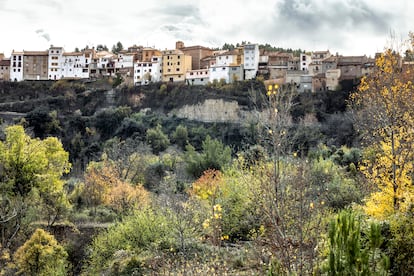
{"points": [[392, 174], [208, 185], [103, 185], [124, 196], [386, 118]]}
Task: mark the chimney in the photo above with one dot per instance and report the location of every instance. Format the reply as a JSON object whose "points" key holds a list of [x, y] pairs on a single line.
{"points": [[179, 45]]}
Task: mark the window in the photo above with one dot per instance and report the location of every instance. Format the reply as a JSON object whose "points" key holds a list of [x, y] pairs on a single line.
{"points": [[149, 70], [178, 69], [178, 63], [178, 56]]}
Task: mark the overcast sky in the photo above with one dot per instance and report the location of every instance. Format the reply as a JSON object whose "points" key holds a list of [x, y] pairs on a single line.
{"points": [[350, 27]]}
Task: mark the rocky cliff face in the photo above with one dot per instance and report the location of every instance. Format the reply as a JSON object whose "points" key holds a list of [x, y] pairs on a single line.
{"points": [[214, 110]]}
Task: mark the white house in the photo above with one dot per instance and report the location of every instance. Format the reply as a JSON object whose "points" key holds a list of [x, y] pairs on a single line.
{"points": [[305, 60], [55, 63], [74, 65], [16, 66], [315, 67], [229, 73], [102, 64], [251, 61], [234, 57], [147, 72], [219, 73], [124, 60], [198, 77]]}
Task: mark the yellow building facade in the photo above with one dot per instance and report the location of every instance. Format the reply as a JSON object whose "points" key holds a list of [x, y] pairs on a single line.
{"points": [[175, 64]]}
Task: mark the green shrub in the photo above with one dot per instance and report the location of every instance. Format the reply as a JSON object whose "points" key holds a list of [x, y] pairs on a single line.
{"points": [[348, 253], [214, 155], [157, 139], [139, 234]]}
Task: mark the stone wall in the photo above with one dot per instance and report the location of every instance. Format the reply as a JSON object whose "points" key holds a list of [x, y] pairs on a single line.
{"points": [[214, 110]]}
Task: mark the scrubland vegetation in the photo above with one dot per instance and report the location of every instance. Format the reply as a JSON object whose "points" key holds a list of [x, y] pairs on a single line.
{"points": [[321, 184]]}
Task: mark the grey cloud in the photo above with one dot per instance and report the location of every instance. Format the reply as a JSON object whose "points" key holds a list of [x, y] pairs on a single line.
{"points": [[46, 36], [179, 31], [170, 28], [175, 12], [43, 34], [55, 4], [308, 16], [179, 11]]}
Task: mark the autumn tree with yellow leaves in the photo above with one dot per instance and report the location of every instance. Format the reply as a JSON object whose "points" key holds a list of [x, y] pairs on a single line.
{"points": [[385, 119], [104, 186]]}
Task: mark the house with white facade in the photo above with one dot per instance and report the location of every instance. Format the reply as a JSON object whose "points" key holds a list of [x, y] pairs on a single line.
{"points": [[197, 77], [251, 61], [124, 63], [55, 63], [228, 67], [16, 66], [74, 66], [315, 67], [148, 72], [218, 73], [226, 73], [103, 64], [305, 60]]}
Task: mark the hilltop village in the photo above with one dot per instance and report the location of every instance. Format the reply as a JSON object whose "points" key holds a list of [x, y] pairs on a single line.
{"points": [[194, 65]]}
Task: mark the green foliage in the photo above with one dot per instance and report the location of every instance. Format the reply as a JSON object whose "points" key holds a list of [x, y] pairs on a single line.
{"points": [[348, 254], [117, 81], [157, 139], [401, 243], [43, 122], [31, 163], [118, 47], [214, 155], [332, 185], [268, 47], [139, 234], [60, 86], [108, 120], [41, 255], [180, 136]]}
